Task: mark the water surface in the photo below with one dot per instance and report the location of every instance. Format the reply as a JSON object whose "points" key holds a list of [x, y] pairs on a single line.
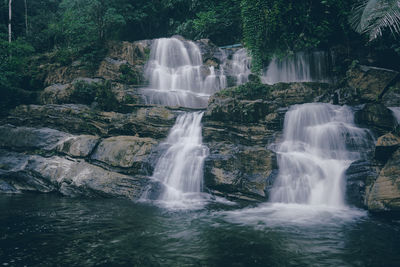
{"points": [[49, 230]]}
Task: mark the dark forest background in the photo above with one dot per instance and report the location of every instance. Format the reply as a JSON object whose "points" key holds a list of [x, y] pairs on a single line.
{"points": [[70, 29]]}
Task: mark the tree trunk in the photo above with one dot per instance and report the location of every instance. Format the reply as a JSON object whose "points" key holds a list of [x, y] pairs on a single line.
{"points": [[26, 17], [9, 21]]}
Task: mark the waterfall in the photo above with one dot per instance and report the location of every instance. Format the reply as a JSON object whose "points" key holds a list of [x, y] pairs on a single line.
{"points": [[180, 168], [241, 66], [177, 76], [319, 143], [396, 113], [301, 67]]}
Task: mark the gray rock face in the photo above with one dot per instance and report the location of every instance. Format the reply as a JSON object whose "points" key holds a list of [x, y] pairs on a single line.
{"points": [[359, 177], [78, 146], [239, 126], [391, 98], [152, 122], [386, 145], [252, 102], [20, 172], [369, 83], [125, 152], [377, 117], [240, 171], [26, 138], [384, 194]]}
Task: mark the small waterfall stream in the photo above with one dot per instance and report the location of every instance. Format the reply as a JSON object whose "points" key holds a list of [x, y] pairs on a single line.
{"points": [[178, 78], [180, 168], [301, 67], [396, 113], [319, 143], [241, 67]]}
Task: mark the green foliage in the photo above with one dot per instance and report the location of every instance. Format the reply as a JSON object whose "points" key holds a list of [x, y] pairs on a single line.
{"points": [[254, 29], [216, 20], [205, 23], [84, 92], [101, 93], [128, 75], [278, 27], [250, 90], [13, 72], [105, 97], [371, 17]]}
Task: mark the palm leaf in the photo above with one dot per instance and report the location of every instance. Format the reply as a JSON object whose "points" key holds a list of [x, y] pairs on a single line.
{"points": [[373, 16]]}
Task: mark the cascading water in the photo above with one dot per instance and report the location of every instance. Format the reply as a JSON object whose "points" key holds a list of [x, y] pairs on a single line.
{"points": [[396, 113], [180, 168], [301, 67], [177, 76], [241, 66], [319, 143]]}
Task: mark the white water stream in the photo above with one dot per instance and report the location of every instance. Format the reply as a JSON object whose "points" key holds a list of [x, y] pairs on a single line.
{"points": [[319, 143], [177, 75], [301, 67]]}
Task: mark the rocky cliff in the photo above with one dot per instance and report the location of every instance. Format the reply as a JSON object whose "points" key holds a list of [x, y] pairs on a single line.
{"points": [[74, 144]]}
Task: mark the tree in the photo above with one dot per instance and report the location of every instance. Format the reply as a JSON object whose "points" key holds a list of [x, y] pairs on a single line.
{"points": [[372, 17], [9, 20]]}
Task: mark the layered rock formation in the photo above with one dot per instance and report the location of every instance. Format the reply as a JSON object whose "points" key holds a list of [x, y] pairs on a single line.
{"points": [[70, 145]]}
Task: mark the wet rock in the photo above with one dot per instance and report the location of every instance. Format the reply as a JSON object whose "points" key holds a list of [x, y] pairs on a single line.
{"points": [[209, 51], [68, 93], [369, 82], [384, 194], [239, 171], [151, 121], [376, 117], [26, 138], [21, 173], [252, 102], [126, 152], [386, 145], [359, 177], [78, 146], [391, 98]]}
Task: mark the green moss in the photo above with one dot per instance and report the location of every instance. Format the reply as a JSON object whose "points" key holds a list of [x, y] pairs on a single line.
{"points": [[129, 75], [87, 93], [105, 97], [250, 90]]}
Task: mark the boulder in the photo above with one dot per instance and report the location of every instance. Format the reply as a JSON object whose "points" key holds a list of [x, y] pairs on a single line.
{"points": [[376, 117], [386, 145], [360, 175], [56, 74], [153, 121], [70, 92], [239, 171], [384, 194], [135, 53], [129, 152], [27, 138], [369, 83], [252, 102], [78, 146], [391, 97], [20, 172]]}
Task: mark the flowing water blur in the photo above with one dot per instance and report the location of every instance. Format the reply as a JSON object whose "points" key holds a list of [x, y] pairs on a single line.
{"points": [[177, 75], [320, 141], [300, 67], [48, 230], [180, 167]]}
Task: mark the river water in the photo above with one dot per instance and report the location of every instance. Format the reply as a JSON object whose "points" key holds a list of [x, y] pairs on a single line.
{"points": [[49, 230]]}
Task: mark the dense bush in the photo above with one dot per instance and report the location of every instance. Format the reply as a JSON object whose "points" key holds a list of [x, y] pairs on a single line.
{"points": [[101, 93]]}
